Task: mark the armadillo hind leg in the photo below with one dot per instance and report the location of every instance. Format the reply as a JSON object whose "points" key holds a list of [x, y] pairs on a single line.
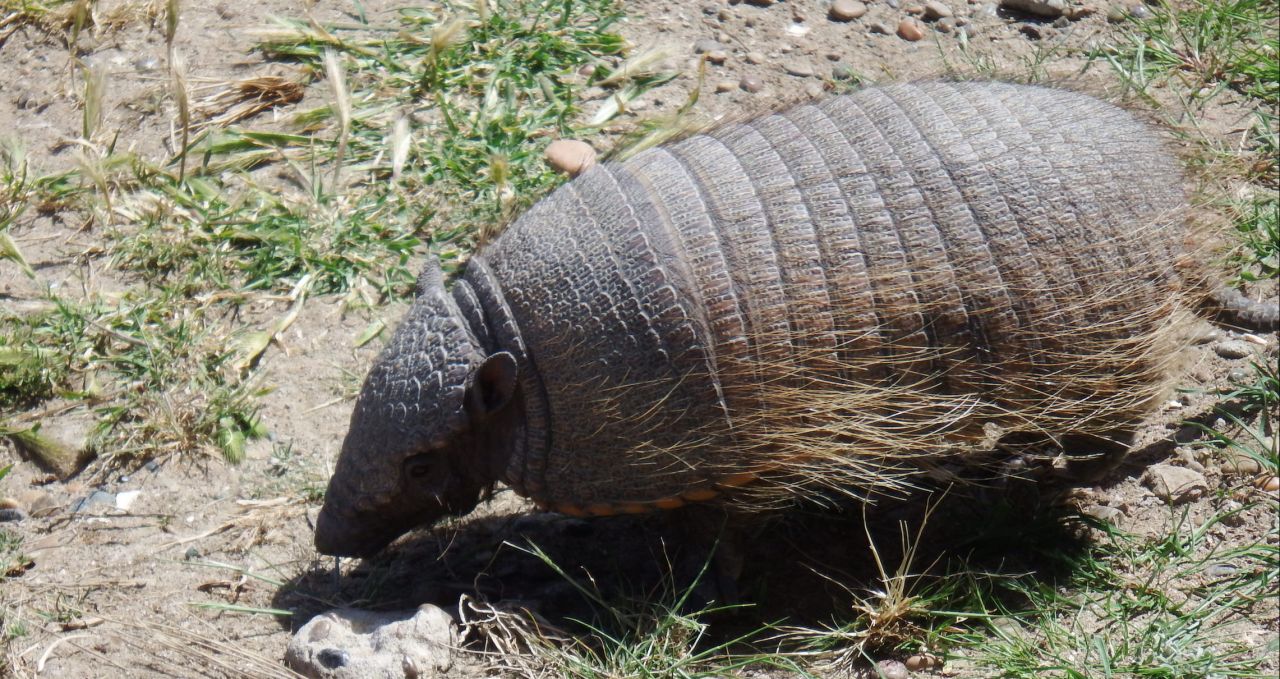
{"points": [[1093, 456]]}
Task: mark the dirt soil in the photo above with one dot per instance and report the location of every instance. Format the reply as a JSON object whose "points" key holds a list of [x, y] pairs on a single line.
{"points": [[123, 590]]}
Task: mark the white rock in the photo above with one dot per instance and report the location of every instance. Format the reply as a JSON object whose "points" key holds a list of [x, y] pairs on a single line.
{"points": [[348, 643], [126, 498]]}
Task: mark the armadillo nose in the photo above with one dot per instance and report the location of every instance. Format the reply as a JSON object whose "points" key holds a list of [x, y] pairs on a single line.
{"points": [[331, 534]]}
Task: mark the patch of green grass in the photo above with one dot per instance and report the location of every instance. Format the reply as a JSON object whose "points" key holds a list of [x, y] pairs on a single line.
{"points": [[434, 132], [1205, 43], [454, 107], [1169, 606], [160, 378], [243, 238], [1207, 47], [1258, 223]]}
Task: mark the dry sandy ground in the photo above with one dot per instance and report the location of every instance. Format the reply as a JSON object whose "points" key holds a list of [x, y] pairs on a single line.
{"points": [[138, 576]]}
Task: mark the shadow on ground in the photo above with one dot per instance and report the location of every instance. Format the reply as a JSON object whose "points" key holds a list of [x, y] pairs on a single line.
{"points": [[801, 567]]}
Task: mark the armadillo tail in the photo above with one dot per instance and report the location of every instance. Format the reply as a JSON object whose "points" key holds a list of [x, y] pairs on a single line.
{"points": [[1232, 307]]}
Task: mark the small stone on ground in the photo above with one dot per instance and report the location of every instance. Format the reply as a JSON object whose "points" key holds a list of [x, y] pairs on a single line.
{"points": [[349, 643]]}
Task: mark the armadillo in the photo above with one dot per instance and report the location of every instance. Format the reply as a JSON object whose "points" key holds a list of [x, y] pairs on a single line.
{"points": [[849, 294]]}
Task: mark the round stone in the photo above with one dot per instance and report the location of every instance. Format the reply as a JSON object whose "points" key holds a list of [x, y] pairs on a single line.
{"points": [[909, 30], [846, 10], [570, 156]]}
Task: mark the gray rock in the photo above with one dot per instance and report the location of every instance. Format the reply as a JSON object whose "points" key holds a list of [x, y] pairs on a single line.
{"points": [[354, 644], [1104, 513], [882, 28], [946, 25], [936, 10], [800, 69], [1221, 570], [751, 84], [12, 514], [1233, 349], [846, 10], [755, 58], [705, 45], [1174, 485], [97, 498], [1045, 8], [1139, 11], [892, 669], [843, 72]]}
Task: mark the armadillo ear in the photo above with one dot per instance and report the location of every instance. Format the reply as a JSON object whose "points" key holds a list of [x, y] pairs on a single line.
{"points": [[492, 384]]}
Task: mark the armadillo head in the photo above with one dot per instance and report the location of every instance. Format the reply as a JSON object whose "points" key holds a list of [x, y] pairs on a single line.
{"points": [[418, 447]]}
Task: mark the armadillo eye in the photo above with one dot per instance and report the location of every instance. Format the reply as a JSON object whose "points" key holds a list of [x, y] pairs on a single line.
{"points": [[418, 467]]}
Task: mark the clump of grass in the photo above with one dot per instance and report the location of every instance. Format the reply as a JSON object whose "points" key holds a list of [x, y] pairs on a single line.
{"points": [[1164, 606], [245, 238], [653, 635], [1208, 47], [156, 372], [1258, 223], [480, 91]]}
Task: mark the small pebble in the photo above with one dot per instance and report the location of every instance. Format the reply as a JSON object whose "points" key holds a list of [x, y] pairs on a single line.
{"points": [[751, 84], [1239, 463], [191, 554], [914, 9], [1205, 334], [799, 69], [847, 10], [989, 11], [12, 514], [570, 156], [760, 3], [96, 498], [920, 662], [9, 503], [936, 10], [1232, 349], [881, 28], [146, 64], [1104, 513], [333, 658], [1271, 484], [704, 45], [1140, 12], [726, 86], [813, 90], [710, 9], [946, 25], [717, 57], [1061, 22], [1116, 14], [755, 58], [909, 30], [843, 72], [1031, 31], [1051, 9], [1221, 570], [892, 669]]}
